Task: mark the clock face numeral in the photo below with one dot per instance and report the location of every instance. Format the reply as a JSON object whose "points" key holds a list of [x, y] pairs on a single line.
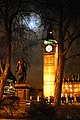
{"points": [[49, 48]]}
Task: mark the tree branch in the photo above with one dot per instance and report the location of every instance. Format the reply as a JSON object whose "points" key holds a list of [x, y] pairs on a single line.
{"points": [[72, 40], [78, 54], [17, 11]]}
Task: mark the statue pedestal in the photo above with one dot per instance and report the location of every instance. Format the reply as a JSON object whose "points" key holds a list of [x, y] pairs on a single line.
{"points": [[22, 91]]}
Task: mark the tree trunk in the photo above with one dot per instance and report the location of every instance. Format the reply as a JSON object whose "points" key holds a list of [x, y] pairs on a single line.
{"points": [[58, 86], [3, 78], [7, 64], [8, 57], [61, 60], [8, 51]]}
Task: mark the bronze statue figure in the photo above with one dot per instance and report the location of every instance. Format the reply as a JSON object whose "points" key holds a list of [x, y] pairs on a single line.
{"points": [[21, 70]]}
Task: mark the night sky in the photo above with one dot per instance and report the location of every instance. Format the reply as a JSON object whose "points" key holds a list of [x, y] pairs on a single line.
{"points": [[31, 47]]}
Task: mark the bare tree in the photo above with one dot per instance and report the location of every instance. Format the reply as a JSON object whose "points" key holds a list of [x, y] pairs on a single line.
{"points": [[8, 10], [69, 32], [64, 15], [12, 13]]}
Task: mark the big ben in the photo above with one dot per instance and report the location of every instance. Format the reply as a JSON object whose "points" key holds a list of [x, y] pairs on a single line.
{"points": [[50, 60]]}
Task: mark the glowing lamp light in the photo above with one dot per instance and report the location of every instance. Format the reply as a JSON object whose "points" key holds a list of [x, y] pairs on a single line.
{"points": [[50, 32]]}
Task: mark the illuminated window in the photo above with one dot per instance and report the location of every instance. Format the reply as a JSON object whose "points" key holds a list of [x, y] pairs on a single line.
{"points": [[66, 95], [66, 86], [70, 86], [70, 89]]}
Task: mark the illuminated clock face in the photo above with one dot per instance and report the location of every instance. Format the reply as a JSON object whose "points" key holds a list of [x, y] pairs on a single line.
{"points": [[49, 48]]}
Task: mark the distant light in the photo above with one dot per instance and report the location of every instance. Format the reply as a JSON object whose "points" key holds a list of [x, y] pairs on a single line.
{"points": [[50, 32], [11, 87]]}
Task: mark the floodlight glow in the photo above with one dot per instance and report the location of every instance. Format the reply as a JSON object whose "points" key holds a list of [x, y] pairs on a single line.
{"points": [[49, 71]]}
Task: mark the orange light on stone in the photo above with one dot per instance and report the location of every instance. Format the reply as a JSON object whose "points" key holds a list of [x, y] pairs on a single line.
{"points": [[49, 71]]}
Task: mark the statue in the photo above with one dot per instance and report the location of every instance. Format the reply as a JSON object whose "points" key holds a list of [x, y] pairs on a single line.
{"points": [[21, 70]]}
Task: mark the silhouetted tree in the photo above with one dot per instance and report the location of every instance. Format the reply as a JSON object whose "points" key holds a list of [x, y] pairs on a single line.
{"points": [[8, 11], [12, 13], [64, 16]]}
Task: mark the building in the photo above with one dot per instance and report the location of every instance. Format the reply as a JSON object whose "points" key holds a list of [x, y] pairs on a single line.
{"points": [[50, 59], [71, 89]]}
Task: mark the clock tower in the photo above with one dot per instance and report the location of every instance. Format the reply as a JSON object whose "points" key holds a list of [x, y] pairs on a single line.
{"points": [[50, 60]]}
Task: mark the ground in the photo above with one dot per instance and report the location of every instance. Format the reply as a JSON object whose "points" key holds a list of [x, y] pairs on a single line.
{"points": [[68, 112], [63, 112], [15, 111]]}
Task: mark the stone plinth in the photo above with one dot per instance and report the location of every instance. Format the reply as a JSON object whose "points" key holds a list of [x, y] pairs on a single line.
{"points": [[22, 91]]}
